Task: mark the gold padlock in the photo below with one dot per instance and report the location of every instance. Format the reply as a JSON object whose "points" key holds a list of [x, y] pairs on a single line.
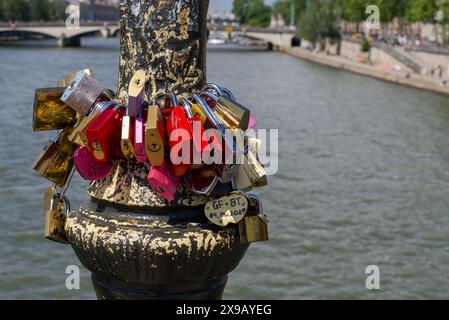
{"points": [[127, 137], [49, 112], [155, 136], [55, 218], [56, 160], [56, 209], [230, 112], [254, 226], [251, 174]]}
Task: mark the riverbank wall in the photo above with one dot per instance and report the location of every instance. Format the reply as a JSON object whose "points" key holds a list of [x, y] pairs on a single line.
{"points": [[403, 78]]}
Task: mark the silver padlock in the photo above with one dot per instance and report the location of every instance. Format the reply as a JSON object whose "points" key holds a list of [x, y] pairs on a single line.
{"points": [[82, 93]]}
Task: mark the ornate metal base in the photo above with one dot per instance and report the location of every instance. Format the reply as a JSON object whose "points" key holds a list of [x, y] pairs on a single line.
{"points": [[165, 253]]}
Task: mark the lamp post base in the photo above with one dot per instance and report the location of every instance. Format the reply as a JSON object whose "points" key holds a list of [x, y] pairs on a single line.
{"points": [[169, 253]]}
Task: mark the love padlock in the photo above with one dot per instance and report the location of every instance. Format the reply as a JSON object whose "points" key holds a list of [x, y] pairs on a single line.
{"points": [[163, 180], [226, 167], [56, 159], [254, 226], [139, 139], [230, 112], [196, 128], [88, 168], [179, 137], [226, 210], [155, 135], [127, 136], [103, 135]]}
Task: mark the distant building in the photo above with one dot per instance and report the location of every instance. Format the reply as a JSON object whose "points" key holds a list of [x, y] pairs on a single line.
{"points": [[97, 10]]}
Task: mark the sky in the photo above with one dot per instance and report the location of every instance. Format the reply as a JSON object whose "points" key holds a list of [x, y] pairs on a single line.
{"points": [[226, 5]]}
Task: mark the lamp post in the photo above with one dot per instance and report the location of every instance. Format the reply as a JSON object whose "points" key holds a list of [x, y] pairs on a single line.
{"points": [[136, 245]]}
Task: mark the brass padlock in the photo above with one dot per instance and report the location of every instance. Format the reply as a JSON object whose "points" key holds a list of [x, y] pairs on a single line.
{"points": [[56, 160], [155, 135], [251, 174], [55, 218], [254, 226], [69, 79], [49, 112], [127, 136], [56, 208], [230, 112]]}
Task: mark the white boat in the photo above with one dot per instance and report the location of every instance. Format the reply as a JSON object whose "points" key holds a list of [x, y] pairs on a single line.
{"points": [[216, 41]]}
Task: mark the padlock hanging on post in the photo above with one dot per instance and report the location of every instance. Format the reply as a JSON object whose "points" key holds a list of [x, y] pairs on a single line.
{"points": [[177, 123], [227, 169]]}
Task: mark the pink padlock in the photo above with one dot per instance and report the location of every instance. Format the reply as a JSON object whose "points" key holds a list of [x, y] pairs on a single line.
{"points": [[88, 168], [139, 142], [252, 122], [163, 180]]}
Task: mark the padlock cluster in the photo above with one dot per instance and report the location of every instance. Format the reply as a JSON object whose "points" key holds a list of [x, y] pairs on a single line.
{"points": [[95, 130]]}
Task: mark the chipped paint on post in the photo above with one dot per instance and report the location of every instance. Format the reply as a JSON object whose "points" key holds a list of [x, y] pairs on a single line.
{"points": [[154, 245], [167, 39]]}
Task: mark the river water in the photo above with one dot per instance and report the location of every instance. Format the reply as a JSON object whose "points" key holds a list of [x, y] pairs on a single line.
{"points": [[363, 178]]}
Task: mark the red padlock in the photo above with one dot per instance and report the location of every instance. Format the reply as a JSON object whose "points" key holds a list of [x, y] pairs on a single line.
{"points": [[197, 130], [178, 125], [163, 180], [104, 133]]}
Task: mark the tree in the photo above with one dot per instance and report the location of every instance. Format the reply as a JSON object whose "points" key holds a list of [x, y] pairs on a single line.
{"points": [[354, 10], [390, 9], [57, 11], [16, 10], [321, 19], [39, 10], [252, 12], [283, 7], [1, 10], [421, 10]]}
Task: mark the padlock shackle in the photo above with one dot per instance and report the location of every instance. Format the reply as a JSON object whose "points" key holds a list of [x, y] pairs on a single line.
{"points": [[213, 86], [187, 105], [173, 100], [57, 198], [210, 95], [209, 113], [228, 93]]}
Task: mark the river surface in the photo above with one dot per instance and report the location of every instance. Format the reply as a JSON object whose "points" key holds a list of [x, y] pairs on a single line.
{"points": [[363, 178]]}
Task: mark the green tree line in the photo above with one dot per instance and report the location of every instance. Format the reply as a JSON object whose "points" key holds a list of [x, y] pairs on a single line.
{"points": [[32, 10], [321, 18]]}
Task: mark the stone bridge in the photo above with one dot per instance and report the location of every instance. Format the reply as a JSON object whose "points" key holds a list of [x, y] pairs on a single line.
{"points": [[275, 37], [64, 35]]}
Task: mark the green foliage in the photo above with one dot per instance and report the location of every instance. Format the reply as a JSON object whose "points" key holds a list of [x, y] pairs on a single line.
{"points": [[283, 7], [252, 12], [354, 10], [421, 10], [2, 16], [365, 46], [57, 11], [390, 9], [37, 10], [40, 10], [16, 10], [321, 19]]}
